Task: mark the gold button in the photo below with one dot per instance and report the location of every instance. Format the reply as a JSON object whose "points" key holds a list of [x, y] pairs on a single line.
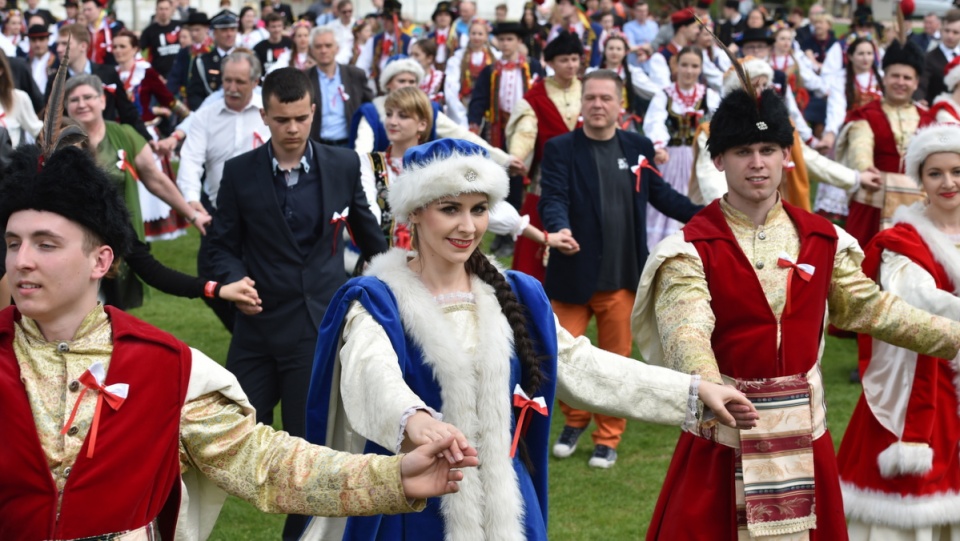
{"points": [[73, 431], [74, 386], [63, 347], [759, 264], [66, 471], [762, 236]]}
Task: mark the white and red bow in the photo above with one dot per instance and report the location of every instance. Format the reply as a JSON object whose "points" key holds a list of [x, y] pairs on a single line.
{"points": [[803, 270], [114, 395], [124, 164], [526, 404], [338, 220], [642, 163]]}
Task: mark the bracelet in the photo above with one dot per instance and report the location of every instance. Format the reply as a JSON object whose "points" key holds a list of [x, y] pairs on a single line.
{"points": [[193, 219], [176, 135], [210, 289], [546, 238]]}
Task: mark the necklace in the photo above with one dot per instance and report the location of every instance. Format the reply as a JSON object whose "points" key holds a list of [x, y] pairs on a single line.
{"points": [[688, 101], [389, 160], [866, 89]]}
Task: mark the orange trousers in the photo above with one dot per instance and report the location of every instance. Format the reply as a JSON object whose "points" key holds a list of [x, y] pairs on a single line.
{"points": [[612, 310]]}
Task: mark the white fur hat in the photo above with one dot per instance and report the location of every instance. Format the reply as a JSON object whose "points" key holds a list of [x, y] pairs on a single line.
{"points": [[931, 140], [951, 73], [400, 64], [445, 167], [754, 68]]}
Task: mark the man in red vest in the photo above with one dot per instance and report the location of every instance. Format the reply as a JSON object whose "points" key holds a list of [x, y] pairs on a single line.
{"points": [[114, 428], [551, 107], [740, 296], [877, 135]]}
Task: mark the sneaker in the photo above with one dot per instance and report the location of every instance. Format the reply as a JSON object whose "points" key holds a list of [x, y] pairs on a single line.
{"points": [[567, 442], [603, 457]]}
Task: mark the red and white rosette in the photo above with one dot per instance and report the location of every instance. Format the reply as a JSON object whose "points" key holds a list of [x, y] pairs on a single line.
{"points": [[526, 404], [114, 395]]}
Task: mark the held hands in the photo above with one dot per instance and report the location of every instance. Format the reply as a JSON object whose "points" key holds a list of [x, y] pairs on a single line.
{"points": [[244, 295], [661, 157], [730, 406], [423, 429], [826, 143], [424, 473], [562, 240], [516, 167], [871, 179]]}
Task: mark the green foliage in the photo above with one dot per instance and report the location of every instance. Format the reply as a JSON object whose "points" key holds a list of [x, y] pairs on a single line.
{"points": [[585, 503]]}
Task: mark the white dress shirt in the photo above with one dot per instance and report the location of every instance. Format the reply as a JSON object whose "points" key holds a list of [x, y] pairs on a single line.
{"points": [[217, 134]]}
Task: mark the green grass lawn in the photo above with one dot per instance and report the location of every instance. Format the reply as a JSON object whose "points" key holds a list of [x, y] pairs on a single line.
{"points": [[585, 503]]}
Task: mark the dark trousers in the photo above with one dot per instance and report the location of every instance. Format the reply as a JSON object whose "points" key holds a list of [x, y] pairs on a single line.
{"points": [[224, 310], [273, 378]]}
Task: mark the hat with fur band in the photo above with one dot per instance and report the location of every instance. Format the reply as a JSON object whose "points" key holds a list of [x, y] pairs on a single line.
{"points": [[753, 66], [931, 140], [398, 64], [446, 167], [951, 73]]}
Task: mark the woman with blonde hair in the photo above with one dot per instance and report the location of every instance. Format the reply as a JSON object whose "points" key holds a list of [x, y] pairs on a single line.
{"points": [[464, 68]]}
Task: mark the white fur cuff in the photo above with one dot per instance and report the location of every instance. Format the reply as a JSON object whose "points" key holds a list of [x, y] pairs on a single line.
{"points": [[905, 458]]}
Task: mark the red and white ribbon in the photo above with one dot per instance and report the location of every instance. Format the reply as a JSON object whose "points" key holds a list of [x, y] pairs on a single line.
{"points": [[803, 270], [257, 140], [114, 395], [343, 94], [402, 237], [3, 122], [124, 165], [642, 164], [526, 404], [339, 219]]}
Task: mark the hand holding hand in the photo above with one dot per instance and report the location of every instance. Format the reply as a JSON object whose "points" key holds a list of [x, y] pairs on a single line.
{"points": [[425, 475], [871, 179], [661, 157], [826, 143], [730, 406], [241, 292], [569, 245], [201, 220], [422, 428], [516, 167]]}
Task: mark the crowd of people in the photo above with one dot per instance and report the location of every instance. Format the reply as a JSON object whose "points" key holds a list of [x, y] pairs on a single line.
{"points": [[721, 192]]}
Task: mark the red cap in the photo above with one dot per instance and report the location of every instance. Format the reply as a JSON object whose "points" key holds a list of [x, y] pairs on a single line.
{"points": [[908, 6], [683, 17]]}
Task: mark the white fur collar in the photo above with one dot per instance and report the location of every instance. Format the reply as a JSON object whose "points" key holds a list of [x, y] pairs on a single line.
{"points": [[943, 249], [475, 389]]}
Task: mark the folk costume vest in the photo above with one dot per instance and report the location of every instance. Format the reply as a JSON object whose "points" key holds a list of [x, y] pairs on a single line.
{"points": [[134, 476], [699, 500], [495, 116], [389, 310]]}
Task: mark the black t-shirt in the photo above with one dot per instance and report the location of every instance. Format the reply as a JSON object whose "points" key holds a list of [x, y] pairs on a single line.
{"points": [[268, 53], [618, 264], [162, 43]]}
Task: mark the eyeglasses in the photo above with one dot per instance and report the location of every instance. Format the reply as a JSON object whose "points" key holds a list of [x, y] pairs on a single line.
{"points": [[82, 98]]}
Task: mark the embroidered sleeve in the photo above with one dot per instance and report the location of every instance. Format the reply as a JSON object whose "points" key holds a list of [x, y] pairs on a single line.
{"points": [[860, 145], [596, 380], [522, 131], [856, 303], [279, 473], [685, 318], [907, 280]]}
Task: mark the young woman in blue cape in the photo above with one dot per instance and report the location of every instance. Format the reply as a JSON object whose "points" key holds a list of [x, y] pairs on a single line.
{"points": [[440, 341]]}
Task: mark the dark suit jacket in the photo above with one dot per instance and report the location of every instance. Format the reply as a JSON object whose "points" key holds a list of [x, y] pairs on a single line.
{"points": [[570, 198], [119, 107], [480, 96], [251, 238], [354, 84], [23, 80], [729, 31], [931, 80]]}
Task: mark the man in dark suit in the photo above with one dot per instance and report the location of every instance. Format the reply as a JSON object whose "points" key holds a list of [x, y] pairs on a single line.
{"points": [[590, 191], [119, 108], [931, 81], [734, 23], [205, 74], [281, 213], [339, 89]]}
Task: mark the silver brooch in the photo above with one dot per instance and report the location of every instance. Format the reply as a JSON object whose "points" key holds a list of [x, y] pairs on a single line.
{"points": [[762, 126], [470, 175]]}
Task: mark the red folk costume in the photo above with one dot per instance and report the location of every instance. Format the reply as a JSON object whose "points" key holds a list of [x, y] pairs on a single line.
{"points": [[144, 473], [101, 33], [496, 116], [898, 460], [142, 84]]}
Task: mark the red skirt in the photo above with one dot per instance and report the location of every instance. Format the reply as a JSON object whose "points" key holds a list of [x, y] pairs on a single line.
{"points": [[528, 255]]}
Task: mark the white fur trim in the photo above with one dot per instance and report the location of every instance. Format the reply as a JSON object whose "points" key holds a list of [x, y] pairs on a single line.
{"points": [[952, 78], [420, 185], [930, 140], [754, 68], [894, 510], [403, 65], [475, 389], [942, 248], [905, 458]]}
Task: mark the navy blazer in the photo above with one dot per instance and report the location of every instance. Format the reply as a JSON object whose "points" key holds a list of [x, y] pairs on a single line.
{"points": [[570, 198], [250, 237]]}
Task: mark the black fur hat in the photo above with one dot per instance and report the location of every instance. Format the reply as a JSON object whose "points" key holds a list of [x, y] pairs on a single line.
{"points": [[909, 54], [70, 184], [742, 119], [564, 43]]}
